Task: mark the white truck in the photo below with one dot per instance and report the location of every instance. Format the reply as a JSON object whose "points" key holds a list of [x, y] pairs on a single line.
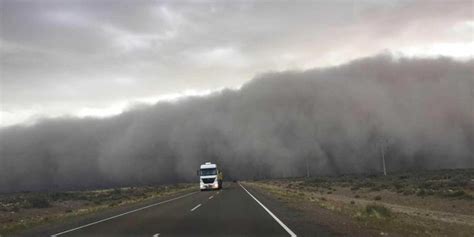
{"points": [[209, 177]]}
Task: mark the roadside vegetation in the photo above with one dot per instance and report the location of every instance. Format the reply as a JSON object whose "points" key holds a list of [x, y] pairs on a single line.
{"points": [[426, 203], [442, 183], [23, 210]]}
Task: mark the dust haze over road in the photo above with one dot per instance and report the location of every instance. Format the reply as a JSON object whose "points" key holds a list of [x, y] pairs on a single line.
{"points": [[334, 119]]}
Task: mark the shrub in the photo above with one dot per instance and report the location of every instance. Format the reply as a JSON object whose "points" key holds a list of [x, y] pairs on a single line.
{"points": [[398, 186], [61, 196], [36, 202], [354, 188], [375, 189], [458, 194], [383, 186], [378, 211], [15, 209], [421, 192], [377, 198]]}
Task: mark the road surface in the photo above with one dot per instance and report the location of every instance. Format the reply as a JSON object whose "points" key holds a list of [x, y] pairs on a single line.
{"points": [[233, 211]]}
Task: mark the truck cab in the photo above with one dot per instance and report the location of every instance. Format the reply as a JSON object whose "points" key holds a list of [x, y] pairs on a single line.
{"points": [[210, 177]]}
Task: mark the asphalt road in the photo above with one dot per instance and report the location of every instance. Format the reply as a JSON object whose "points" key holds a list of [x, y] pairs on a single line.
{"points": [[232, 211]]}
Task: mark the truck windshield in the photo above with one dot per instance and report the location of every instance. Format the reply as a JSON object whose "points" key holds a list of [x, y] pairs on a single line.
{"points": [[205, 172]]}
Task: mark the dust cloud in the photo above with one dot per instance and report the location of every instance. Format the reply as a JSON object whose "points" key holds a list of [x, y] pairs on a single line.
{"points": [[335, 120]]}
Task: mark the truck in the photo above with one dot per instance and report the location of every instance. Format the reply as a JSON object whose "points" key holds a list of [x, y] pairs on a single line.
{"points": [[210, 177]]}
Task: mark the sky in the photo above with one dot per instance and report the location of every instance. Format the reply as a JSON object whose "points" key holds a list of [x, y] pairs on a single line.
{"points": [[96, 58]]}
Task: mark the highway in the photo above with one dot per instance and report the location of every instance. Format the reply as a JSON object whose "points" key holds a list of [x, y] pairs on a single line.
{"points": [[233, 211]]}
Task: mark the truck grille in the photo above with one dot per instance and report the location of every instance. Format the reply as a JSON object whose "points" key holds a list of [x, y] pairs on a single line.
{"points": [[208, 180]]}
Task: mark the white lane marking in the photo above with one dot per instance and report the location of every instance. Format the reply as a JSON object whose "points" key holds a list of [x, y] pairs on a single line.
{"points": [[156, 235], [122, 214], [196, 207], [292, 234], [211, 197]]}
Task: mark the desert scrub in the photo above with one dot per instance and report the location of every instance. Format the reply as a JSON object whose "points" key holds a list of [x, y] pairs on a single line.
{"points": [[377, 211], [355, 188], [375, 188], [424, 192], [36, 202], [457, 194]]}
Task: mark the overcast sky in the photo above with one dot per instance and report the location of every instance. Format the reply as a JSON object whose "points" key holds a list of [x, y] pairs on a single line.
{"points": [[93, 58]]}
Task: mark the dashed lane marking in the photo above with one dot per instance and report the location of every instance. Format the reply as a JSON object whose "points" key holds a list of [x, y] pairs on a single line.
{"points": [[196, 207]]}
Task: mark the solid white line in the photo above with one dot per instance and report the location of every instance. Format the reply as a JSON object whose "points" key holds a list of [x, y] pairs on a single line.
{"points": [[292, 234], [211, 197], [196, 207], [123, 214]]}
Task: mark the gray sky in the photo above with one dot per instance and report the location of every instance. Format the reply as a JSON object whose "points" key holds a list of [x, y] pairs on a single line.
{"points": [[93, 58]]}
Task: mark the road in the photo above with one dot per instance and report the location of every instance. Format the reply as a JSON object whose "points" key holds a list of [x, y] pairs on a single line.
{"points": [[233, 211]]}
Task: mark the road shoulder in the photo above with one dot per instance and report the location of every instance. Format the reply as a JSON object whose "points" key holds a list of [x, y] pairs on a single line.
{"points": [[305, 220], [355, 217]]}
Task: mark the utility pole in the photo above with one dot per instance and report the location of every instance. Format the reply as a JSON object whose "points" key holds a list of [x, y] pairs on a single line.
{"points": [[307, 168], [472, 114], [382, 144], [382, 150]]}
